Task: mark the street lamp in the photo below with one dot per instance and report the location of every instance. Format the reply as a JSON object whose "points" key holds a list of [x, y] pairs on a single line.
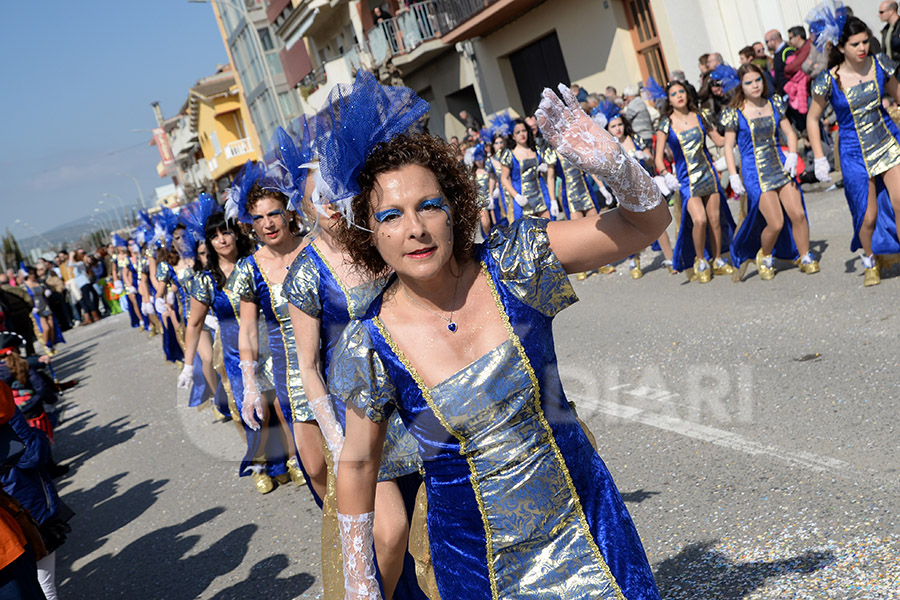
{"points": [[104, 219], [140, 192], [270, 81], [33, 230], [122, 204], [115, 217]]}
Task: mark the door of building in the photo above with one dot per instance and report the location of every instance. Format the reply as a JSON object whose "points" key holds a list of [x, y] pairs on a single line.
{"points": [[646, 40], [537, 66]]}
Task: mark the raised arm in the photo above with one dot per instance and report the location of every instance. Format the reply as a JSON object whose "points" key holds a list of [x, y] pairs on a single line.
{"points": [[642, 216]]}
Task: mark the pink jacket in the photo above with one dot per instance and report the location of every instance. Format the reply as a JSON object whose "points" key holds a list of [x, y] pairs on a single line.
{"points": [[796, 89]]}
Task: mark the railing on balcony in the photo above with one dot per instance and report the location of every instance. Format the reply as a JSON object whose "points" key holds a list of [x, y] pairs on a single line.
{"points": [[405, 32], [237, 148], [451, 13]]}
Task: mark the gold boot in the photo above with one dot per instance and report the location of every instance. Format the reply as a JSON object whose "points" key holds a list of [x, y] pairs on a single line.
{"points": [[262, 481], [581, 276], [810, 267], [606, 269], [872, 275], [720, 267], [765, 272], [296, 474], [635, 268], [704, 275]]}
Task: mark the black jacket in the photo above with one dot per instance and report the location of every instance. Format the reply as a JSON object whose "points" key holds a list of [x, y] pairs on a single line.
{"points": [[890, 40]]}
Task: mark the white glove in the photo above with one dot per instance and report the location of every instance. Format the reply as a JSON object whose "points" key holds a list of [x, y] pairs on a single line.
{"points": [[821, 167], [170, 298], [542, 168], [251, 410], [720, 164], [554, 209], [323, 409], [790, 164], [161, 306], [118, 287], [592, 149], [671, 181], [146, 308], [607, 197], [130, 290], [35, 311], [211, 321], [660, 182], [520, 200], [186, 377], [358, 548], [48, 293], [496, 194], [737, 186]]}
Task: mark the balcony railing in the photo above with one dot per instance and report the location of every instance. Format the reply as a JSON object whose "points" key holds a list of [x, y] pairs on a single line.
{"points": [[237, 148], [451, 13], [405, 32]]}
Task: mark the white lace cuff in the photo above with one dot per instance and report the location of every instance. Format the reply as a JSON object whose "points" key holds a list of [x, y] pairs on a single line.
{"points": [[358, 545], [323, 409]]}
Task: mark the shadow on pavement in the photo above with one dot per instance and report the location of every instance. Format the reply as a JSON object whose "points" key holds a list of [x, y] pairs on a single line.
{"points": [[638, 496], [164, 564], [264, 582], [698, 571], [85, 439], [72, 362]]}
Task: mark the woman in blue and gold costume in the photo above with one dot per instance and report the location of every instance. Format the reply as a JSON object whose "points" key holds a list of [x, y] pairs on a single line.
{"points": [[497, 136], [776, 224], [226, 246], [257, 203], [476, 160], [856, 84], [526, 172], [144, 284], [706, 222], [460, 343]]}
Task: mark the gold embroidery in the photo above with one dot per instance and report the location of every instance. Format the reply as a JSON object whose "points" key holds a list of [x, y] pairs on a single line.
{"points": [[284, 343]]}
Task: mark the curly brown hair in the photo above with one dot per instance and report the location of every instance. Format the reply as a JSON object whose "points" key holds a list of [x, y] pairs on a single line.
{"points": [[257, 193], [457, 187]]}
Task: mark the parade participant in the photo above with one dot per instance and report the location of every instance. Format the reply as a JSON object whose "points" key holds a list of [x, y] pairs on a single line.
{"points": [[43, 317], [122, 275], [706, 223], [229, 244], [856, 83], [257, 281], [618, 125], [526, 171], [500, 131], [768, 176], [475, 159], [140, 281], [155, 258], [460, 344], [90, 302]]}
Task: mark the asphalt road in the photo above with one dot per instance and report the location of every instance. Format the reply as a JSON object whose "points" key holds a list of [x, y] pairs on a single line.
{"points": [[750, 428]]}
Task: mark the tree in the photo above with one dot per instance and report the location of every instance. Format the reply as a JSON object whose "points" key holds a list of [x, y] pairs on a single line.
{"points": [[12, 255]]}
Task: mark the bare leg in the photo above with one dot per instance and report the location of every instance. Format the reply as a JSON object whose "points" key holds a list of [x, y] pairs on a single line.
{"points": [[391, 534], [793, 206], [715, 227], [892, 183], [698, 216], [770, 208], [867, 229], [665, 245], [309, 442]]}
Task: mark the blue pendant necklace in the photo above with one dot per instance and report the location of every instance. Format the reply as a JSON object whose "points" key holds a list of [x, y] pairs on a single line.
{"points": [[451, 324]]}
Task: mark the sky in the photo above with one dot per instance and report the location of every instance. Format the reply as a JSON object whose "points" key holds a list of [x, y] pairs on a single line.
{"points": [[76, 79]]}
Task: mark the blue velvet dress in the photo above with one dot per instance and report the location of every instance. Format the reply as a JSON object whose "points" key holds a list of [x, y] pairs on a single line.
{"points": [[519, 503], [137, 266], [125, 263], [226, 307], [698, 178], [869, 143], [312, 286], [502, 206], [762, 170], [527, 180]]}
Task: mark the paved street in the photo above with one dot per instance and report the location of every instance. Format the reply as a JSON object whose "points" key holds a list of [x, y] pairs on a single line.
{"points": [[750, 428]]}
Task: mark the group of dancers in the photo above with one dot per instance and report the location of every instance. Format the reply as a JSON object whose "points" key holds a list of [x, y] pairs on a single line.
{"points": [[377, 317]]}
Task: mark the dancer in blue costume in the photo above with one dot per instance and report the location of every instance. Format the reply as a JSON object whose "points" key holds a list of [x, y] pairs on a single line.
{"points": [[43, 317], [776, 224], [257, 281], [141, 276], [460, 343], [157, 249], [706, 222], [326, 292], [498, 134], [476, 161], [228, 245], [856, 84], [526, 171]]}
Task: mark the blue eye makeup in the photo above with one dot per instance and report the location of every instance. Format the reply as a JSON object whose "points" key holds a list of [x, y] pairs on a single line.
{"points": [[436, 202], [382, 215]]}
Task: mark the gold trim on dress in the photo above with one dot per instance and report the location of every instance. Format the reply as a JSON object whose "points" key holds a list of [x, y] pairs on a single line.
{"points": [[284, 344]]}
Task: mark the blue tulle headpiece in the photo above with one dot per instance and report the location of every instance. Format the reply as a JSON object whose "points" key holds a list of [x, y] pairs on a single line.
{"points": [[353, 122], [194, 216], [236, 193], [609, 109], [164, 223], [655, 91], [118, 242], [145, 219], [287, 160], [727, 76], [826, 23], [474, 153], [502, 124], [143, 234]]}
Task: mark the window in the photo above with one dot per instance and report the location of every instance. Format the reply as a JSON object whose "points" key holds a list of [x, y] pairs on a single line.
{"points": [[265, 39], [214, 138]]}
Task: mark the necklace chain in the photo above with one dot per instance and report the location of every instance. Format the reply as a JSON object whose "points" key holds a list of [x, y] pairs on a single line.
{"points": [[451, 324]]}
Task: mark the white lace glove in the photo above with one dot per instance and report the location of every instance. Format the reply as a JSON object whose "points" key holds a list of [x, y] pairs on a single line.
{"points": [[251, 411], [554, 209], [357, 544], [790, 164], [520, 200], [593, 150], [146, 308], [211, 321], [170, 298], [542, 168], [671, 181], [737, 186], [186, 376], [607, 197], [130, 290], [496, 194], [323, 409], [821, 167], [720, 164], [161, 305], [660, 182], [118, 287]]}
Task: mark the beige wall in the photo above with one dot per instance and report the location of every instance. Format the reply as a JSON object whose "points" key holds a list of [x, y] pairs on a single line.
{"points": [[595, 43], [446, 74]]}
